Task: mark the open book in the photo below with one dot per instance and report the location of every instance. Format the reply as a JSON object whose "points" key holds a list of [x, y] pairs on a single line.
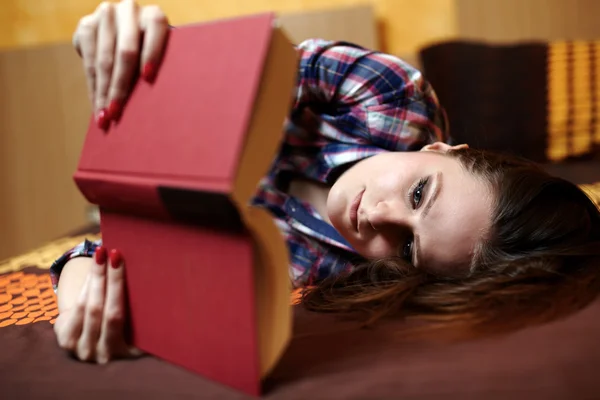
{"points": [[207, 275]]}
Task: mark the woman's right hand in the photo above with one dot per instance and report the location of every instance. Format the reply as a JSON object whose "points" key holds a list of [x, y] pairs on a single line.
{"points": [[116, 41], [93, 328]]}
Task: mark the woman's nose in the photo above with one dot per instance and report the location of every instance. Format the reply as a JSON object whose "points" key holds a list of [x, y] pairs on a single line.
{"points": [[388, 213]]}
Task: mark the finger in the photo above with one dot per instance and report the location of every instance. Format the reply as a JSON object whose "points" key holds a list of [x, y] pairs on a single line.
{"points": [[126, 57], [94, 308], [104, 61], [84, 41], [155, 26], [113, 322], [69, 325]]}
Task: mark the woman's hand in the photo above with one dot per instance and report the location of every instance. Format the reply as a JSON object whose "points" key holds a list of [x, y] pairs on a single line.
{"points": [[93, 328], [115, 42]]}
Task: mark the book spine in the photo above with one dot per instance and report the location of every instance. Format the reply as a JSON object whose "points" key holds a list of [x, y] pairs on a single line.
{"points": [[122, 194], [147, 198]]}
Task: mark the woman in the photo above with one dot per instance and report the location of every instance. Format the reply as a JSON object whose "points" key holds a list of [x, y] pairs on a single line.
{"points": [[448, 235]]}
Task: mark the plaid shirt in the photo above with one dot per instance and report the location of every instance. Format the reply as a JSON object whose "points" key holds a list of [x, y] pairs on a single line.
{"points": [[351, 103]]}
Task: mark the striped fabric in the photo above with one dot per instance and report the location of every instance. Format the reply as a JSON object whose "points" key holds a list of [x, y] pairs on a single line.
{"points": [[539, 100], [573, 99]]}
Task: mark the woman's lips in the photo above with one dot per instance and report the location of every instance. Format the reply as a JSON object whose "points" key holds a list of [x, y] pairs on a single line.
{"points": [[354, 209]]}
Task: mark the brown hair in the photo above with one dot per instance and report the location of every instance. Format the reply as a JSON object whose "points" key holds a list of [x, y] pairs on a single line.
{"points": [[540, 261]]}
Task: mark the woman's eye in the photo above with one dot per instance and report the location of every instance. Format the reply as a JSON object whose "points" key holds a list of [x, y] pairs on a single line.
{"points": [[418, 192], [407, 250]]}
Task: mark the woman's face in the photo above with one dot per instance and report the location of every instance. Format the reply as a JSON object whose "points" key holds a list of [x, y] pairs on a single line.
{"points": [[422, 206]]}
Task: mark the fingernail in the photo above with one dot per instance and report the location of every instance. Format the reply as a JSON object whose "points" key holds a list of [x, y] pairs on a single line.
{"points": [[114, 110], [100, 255], [102, 119], [116, 259], [149, 71]]}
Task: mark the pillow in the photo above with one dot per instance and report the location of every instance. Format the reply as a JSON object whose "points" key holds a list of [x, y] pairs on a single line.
{"points": [[539, 100]]}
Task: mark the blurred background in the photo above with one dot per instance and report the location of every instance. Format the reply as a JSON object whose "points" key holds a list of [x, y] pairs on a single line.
{"points": [[43, 103]]}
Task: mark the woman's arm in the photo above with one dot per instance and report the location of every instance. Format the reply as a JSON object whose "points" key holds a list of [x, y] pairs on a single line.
{"points": [[372, 95], [70, 270]]}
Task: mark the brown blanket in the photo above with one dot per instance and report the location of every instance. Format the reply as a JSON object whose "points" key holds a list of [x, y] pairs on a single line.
{"points": [[326, 359]]}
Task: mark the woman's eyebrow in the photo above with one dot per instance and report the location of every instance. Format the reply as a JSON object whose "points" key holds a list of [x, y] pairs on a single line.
{"points": [[437, 188], [435, 192]]}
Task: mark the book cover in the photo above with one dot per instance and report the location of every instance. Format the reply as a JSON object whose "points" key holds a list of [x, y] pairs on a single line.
{"points": [[207, 279]]}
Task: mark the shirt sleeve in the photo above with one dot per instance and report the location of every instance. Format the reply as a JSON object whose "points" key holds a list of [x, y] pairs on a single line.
{"points": [[366, 95], [84, 249]]}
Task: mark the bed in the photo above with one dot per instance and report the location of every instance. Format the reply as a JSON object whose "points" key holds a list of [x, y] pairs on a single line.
{"points": [[327, 358]]}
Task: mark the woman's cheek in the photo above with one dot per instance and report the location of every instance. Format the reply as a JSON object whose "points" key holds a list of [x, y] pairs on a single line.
{"points": [[335, 209]]}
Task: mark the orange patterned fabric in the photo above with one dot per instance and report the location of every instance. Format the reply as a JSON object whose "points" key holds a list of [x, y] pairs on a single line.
{"points": [[26, 298]]}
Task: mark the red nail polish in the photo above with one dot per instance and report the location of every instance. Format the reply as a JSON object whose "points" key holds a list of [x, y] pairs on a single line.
{"points": [[114, 110], [116, 259], [103, 119], [149, 71], [100, 255]]}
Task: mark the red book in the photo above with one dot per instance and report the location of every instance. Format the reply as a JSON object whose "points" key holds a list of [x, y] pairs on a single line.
{"points": [[207, 279]]}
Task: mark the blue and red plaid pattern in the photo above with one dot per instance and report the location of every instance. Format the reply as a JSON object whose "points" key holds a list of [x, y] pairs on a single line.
{"points": [[351, 103]]}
